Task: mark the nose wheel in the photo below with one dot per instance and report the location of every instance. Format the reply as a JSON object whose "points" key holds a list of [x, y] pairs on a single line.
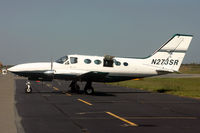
{"points": [[28, 88]]}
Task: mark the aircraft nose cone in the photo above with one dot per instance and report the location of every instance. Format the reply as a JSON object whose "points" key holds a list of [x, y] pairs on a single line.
{"points": [[12, 69]]}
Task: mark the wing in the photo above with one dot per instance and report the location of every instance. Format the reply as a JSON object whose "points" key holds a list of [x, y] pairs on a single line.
{"points": [[93, 76]]}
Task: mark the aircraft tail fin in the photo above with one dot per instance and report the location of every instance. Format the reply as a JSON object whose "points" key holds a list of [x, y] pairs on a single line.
{"points": [[170, 55]]}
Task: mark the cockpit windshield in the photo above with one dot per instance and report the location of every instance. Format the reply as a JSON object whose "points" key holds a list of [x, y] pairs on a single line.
{"points": [[62, 59]]}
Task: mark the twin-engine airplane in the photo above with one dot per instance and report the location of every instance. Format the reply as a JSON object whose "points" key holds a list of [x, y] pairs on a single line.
{"points": [[166, 59]]}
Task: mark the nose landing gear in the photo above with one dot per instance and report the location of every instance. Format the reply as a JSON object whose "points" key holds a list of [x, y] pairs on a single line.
{"points": [[28, 88]]}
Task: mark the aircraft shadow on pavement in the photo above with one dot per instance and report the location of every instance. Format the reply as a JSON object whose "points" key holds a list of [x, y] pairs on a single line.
{"points": [[20, 85], [79, 93]]}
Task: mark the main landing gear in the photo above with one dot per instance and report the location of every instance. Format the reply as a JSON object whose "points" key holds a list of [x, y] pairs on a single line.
{"points": [[28, 88], [75, 88], [88, 89]]}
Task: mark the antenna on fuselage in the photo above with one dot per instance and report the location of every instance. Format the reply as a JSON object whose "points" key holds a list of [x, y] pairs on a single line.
{"points": [[51, 64]]}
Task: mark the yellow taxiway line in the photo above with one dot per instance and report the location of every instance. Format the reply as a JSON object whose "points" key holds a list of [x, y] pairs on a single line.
{"points": [[48, 85], [85, 102], [68, 94], [122, 119], [55, 88]]}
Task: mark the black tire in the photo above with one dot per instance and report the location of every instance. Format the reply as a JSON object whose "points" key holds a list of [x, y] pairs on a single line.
{"points": [[75, 88], [89, 90], [28, 90]]}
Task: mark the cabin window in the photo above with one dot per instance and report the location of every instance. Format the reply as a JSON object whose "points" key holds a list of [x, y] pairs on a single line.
{"points": [[87, 61], [117, 63], [125, 64], [97, 62], [73, 60]]}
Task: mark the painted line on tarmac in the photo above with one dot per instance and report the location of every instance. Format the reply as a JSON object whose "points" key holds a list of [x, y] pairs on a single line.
{"points": [[85, 102], [48, 85], [122, 119], [55, 88], [68, 94]]}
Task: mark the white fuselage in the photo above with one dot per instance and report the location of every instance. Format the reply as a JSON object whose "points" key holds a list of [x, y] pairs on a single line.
{"points": [[125, 67], [135, 67]]}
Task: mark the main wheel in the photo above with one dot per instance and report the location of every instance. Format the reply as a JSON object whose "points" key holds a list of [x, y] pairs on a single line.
{"points": [[89, 90]]}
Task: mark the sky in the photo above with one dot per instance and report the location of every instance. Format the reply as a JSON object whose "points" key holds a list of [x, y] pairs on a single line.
{"points": [[38, 30]]}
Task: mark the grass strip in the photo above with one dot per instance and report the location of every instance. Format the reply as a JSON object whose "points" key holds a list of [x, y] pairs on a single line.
{"points": [[188, 87]]}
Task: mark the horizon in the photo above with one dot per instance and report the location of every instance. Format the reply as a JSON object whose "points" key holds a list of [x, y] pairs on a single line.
{"points": [[35, 31]]}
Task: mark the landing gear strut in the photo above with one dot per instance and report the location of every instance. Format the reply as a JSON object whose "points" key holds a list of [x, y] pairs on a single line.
{"points": [[28, 88], [74, 87], [89, 90]]}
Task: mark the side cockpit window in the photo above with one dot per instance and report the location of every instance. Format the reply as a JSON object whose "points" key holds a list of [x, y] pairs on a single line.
{"points": [[73, 60], [62, 59]]}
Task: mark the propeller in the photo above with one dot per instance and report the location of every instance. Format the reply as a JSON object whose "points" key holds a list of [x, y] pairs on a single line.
{"points": [[51, 71], [51, 64]]}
